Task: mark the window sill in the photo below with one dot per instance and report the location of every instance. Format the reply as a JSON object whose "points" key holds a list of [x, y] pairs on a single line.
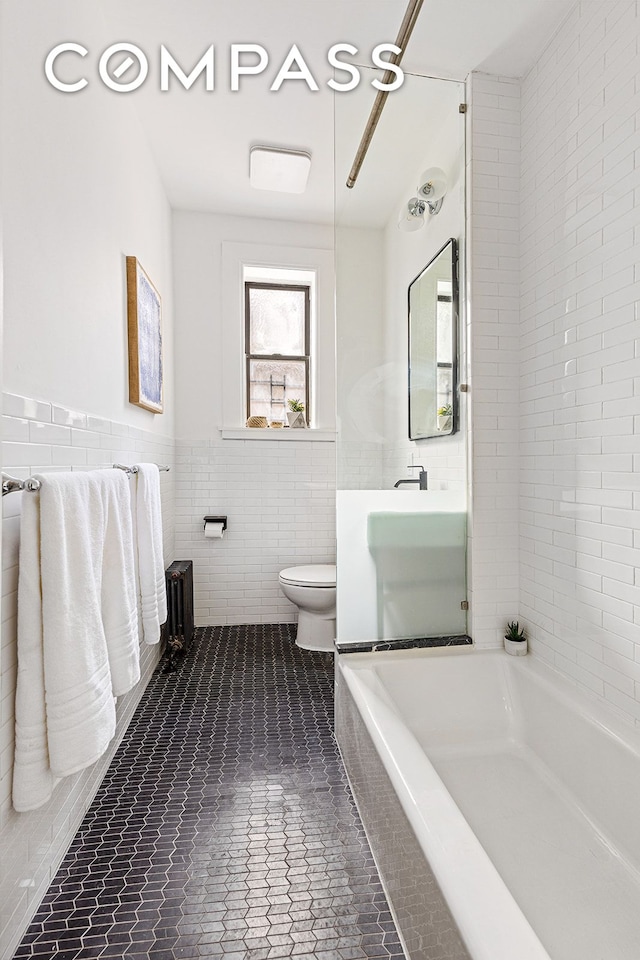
{"points": [[285, 434]]}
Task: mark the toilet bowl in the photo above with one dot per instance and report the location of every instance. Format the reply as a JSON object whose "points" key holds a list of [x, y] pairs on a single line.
{"points": [[313, 589]]}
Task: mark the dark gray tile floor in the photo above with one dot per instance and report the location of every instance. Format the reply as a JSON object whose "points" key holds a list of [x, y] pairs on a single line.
{"points": [[225, 826]]}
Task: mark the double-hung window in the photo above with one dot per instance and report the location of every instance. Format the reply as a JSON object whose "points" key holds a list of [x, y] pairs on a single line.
{"points": [[277, 348]]}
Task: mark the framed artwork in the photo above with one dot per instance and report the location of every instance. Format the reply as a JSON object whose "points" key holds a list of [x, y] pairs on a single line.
{"points": [[144, 317]]}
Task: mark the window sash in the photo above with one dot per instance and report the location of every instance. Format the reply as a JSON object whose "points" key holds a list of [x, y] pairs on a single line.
{"points": [[278, 356], [299, 358]]}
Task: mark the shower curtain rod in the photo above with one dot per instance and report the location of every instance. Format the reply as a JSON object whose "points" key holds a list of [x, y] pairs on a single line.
{"points": [[406, 29], [14, 485]]}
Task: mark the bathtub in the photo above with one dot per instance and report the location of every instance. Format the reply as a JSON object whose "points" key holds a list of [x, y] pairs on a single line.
{"points": [[502, 805]]}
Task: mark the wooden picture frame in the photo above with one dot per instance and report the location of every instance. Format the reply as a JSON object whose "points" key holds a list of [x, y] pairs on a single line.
{"points": [[144, 320]]}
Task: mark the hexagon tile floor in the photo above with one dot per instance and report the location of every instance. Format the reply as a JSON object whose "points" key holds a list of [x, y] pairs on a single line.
{"points": [[225, 826]]}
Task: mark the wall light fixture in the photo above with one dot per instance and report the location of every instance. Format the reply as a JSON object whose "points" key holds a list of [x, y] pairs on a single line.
{"points": [[431, 191]]}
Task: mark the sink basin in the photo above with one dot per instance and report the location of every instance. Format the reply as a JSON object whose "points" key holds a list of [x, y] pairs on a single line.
{"points": [[416, 531]]}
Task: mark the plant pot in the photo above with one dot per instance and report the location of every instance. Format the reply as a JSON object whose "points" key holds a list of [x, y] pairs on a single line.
{"points": [[296, 419], [445, 422], [517, 648]]}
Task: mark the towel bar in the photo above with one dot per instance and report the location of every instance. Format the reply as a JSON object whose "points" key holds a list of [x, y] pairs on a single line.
{"points": [[122, 466], [13, 484]]}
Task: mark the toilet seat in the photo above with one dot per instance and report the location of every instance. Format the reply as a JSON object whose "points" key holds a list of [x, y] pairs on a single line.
{"points": [[316, 575]]}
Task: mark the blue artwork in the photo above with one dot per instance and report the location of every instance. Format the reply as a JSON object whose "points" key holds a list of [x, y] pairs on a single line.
{"points": [[149, 342], [145, 339]]}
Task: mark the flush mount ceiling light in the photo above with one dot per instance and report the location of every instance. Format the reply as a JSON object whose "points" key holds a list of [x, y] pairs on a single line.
{"points": [[431, 191], [273, 168]]}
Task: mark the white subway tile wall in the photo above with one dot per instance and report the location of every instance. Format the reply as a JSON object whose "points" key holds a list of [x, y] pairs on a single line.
{"points": [[280, 500], [493, 146], [580, 394], [43, 437], [444, 460], [359, 464], [365, 465]]}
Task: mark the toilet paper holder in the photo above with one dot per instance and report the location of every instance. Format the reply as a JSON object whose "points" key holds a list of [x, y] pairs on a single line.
{"points": [[222, 520]]}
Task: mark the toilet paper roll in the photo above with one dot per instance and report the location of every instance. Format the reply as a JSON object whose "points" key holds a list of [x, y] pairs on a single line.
{"points": [[214, 531]]}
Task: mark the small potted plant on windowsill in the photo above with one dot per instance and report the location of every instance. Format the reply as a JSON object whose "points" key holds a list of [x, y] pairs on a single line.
{"points": [[515, 641], [445, 418], [295, 414]]}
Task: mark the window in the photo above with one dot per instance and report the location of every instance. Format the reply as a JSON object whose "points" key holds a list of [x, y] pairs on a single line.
{"points": [[277, 348], [274, 265], [444, 294]]}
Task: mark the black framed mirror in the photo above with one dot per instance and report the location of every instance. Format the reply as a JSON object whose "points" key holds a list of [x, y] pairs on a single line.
{"points": [[433, 347]]}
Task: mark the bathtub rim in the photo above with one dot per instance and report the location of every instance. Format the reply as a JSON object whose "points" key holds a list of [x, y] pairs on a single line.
{"points": [[585, 702], [489, 920]]}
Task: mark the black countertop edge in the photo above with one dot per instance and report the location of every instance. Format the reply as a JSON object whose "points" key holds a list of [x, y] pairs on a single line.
{"points": [[380, 646]]}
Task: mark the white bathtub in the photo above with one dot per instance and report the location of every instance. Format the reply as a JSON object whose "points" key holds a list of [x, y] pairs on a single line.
{"points": [[502, 805]]}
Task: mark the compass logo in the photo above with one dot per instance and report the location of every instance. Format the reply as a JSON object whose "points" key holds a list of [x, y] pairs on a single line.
{"points": [[124, 67]]}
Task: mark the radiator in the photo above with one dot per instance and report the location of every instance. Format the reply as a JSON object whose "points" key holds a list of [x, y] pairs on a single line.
{"points": [[179, 628]]}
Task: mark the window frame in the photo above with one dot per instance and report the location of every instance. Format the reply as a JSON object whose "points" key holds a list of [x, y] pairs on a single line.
{"points": [[442, 365], [249, 356]]}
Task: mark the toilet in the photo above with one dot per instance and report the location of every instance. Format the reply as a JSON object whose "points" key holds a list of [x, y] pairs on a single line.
{"points": [[313, 589]]}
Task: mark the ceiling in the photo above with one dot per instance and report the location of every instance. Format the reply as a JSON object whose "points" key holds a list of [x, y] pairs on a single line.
{"points": [[201, 140]]}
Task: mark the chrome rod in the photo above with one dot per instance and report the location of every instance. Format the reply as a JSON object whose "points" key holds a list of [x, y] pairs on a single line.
{"points": [[13, 485], [406, 29], [122, 466]]}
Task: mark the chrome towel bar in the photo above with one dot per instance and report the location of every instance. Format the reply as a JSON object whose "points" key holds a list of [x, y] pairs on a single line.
{"points": [[122, 466], [13, 484]]}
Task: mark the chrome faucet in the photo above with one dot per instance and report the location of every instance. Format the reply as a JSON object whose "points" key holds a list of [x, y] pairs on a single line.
{"points": [[422, 477]]}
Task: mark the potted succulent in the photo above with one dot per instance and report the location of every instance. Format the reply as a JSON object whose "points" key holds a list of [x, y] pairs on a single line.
{"points": [[445, 417], [515, 641], [295, 414]]}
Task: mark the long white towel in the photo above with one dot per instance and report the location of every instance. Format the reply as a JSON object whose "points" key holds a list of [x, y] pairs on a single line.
{"points": [[33, 781], [77, 627], [150, 561], [119, 596], [79, 698]]}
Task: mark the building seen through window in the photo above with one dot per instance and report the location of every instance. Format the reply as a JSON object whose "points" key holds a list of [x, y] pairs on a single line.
{"points": [[277, 348]]}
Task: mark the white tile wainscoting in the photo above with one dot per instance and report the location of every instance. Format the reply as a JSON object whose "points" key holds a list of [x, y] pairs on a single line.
{"points": [[280, 500], [40, 437]]}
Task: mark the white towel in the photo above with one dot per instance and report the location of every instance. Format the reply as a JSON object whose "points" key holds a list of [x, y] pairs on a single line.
{"points": [[150, 560], [119, 596], [80, 708], [77, 627], [33, 781]]}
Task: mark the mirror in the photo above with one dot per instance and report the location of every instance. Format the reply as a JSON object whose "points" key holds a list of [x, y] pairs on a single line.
{"points": [[433, 347]]}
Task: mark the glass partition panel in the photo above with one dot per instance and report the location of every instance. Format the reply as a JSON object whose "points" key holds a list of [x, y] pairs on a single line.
{"points": [[402, 515]]}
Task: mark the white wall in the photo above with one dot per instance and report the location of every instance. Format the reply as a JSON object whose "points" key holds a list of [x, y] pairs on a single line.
{"points": [[277, 492], [360, 369], [580, 410], [79, 193]]}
